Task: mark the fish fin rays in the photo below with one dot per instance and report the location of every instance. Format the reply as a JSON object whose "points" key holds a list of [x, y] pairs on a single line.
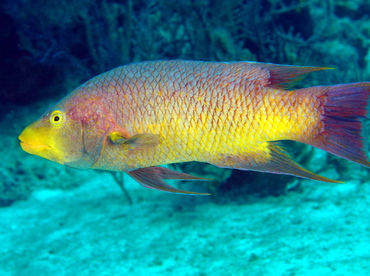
{"points": [[152, 177], [281, 162], [345, 121], [285, 76], [140, 140], [278, 162], [143, 140]]}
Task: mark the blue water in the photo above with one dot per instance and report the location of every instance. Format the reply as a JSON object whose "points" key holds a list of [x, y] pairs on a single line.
{"points": [[56, 220]]}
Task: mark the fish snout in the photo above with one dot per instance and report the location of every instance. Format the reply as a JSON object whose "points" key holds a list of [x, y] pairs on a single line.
{"points": [[29, 143]]}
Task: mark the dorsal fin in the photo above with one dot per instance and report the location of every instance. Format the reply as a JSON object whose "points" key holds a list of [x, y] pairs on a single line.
{"points": [[285, 76]]}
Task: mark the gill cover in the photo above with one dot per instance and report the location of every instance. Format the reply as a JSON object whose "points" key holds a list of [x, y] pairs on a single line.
{"points": [[49, 137], [70, 134]]}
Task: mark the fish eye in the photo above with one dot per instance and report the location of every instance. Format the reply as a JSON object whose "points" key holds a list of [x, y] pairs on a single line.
{"points": [[56, 118]]}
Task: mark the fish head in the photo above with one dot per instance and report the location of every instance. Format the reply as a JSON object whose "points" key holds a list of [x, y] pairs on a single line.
{"points": [[71, 133]]}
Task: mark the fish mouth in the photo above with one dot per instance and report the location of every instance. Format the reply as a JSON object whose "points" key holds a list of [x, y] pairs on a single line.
{"points": [[36, 141], [34, 148], [44, 151]]}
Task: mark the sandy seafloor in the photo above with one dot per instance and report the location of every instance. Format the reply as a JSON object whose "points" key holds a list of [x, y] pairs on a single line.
{"points": [[92, 230], [324, 229]]}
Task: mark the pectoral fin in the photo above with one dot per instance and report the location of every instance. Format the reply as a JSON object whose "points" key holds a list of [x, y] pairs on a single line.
{"points": [[117, 138], [153, 177], [137, 141]]}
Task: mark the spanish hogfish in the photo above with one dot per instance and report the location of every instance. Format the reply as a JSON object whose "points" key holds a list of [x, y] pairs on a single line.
{"points": [[229, 114]]}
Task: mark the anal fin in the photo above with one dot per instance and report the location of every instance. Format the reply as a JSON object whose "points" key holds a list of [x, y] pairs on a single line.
{"points": [[278, 161], [281, 162]]}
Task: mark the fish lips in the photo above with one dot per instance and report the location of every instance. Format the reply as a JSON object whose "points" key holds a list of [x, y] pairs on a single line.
{"points": [[41, 150], [33, 149]]}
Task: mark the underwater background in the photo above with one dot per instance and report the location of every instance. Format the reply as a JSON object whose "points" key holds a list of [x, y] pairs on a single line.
{"points": [[56, 220]]}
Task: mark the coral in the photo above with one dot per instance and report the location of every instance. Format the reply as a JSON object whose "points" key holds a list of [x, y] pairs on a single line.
{"points": [[103, 34], [58, 44]]}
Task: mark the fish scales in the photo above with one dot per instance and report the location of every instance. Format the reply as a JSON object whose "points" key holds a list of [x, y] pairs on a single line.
{"points": [[194, 113], [229, 114]]}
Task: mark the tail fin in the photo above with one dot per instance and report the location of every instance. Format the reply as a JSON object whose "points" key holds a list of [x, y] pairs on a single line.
{"points": [[345, 111]]}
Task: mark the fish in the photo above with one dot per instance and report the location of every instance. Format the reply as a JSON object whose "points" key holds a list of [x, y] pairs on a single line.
{"points": [[140, 116]]}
